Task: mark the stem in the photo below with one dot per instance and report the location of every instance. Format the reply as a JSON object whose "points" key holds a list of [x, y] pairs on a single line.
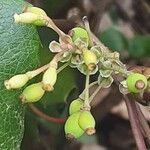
{"points": [[131, 107], [44, 116], [83, 93], [62, 67], [36, 72], [95, 93], [87, 27], [86, 101], [65, 38], [143, 123]]}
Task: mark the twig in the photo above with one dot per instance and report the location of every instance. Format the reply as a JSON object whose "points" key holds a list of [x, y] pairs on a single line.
{"points": [[86, 101], [95, 93], [131, 107], [44, 116], [143, 123]]}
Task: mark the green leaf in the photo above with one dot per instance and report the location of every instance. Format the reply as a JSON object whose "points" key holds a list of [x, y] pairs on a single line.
{"points": [[113, 39], [139, 46], [19, 51]]}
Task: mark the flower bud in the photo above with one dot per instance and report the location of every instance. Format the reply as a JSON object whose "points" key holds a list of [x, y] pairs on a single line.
{"points": [[75, 106], [136, 83], [16, 81], [32, 93], [72, 128], [32, 15], [87, 122], [49, 78], [90, 59]]}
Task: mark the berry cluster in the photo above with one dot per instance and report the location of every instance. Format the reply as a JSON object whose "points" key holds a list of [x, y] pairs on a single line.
{"points": [[78, 49], [79, 121]]}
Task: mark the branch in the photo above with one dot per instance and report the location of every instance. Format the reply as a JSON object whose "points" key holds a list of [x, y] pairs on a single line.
{"points": [[44, 116], [143, 123], [134, 121]]}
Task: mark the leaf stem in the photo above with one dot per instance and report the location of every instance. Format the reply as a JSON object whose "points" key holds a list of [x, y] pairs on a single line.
{"points": [[44, 116], [131, 107]]}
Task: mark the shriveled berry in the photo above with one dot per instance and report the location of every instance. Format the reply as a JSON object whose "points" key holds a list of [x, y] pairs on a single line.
{"points": [[49, 78], [75, 106], [87, 122], [136, 83], [32, 93], [16, 81], [72, 128], [79, 32]]}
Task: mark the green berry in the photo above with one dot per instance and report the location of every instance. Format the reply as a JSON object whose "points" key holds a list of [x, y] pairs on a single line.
{"points": [[31, 15], [87, 122], [16, 81], [79, 32], [75, 106], [90, 59], [72, 128], [136, 83], [32, 93], [49, 78]]}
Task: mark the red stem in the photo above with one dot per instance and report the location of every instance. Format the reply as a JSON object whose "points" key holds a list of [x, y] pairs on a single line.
{"points": [[44, 116], [134, 121]]}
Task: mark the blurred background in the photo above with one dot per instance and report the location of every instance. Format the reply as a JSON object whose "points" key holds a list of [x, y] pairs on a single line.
{"points": [[123, 26]]}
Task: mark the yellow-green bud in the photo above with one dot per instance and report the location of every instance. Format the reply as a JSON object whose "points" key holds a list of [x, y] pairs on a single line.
{"points": [[72, 128], [32, 93], [87, 122], [16, 81], [35, 10], [49, 78], [32, 16], [90, 59], [75, 106]]}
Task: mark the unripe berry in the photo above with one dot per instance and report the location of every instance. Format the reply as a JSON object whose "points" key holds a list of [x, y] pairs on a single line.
{"points": [[79, 32], [16, 81], [90, 59], [136, 83], [87, 122], [32, 93], [72, 128], [31, 15], [49, 78], [75, 106]]}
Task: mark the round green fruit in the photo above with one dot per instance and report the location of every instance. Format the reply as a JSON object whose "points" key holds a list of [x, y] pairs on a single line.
{"points": [[79, 32], [75, 106], [136, 83], [72, 128], [32, 93], [87, 122]]}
